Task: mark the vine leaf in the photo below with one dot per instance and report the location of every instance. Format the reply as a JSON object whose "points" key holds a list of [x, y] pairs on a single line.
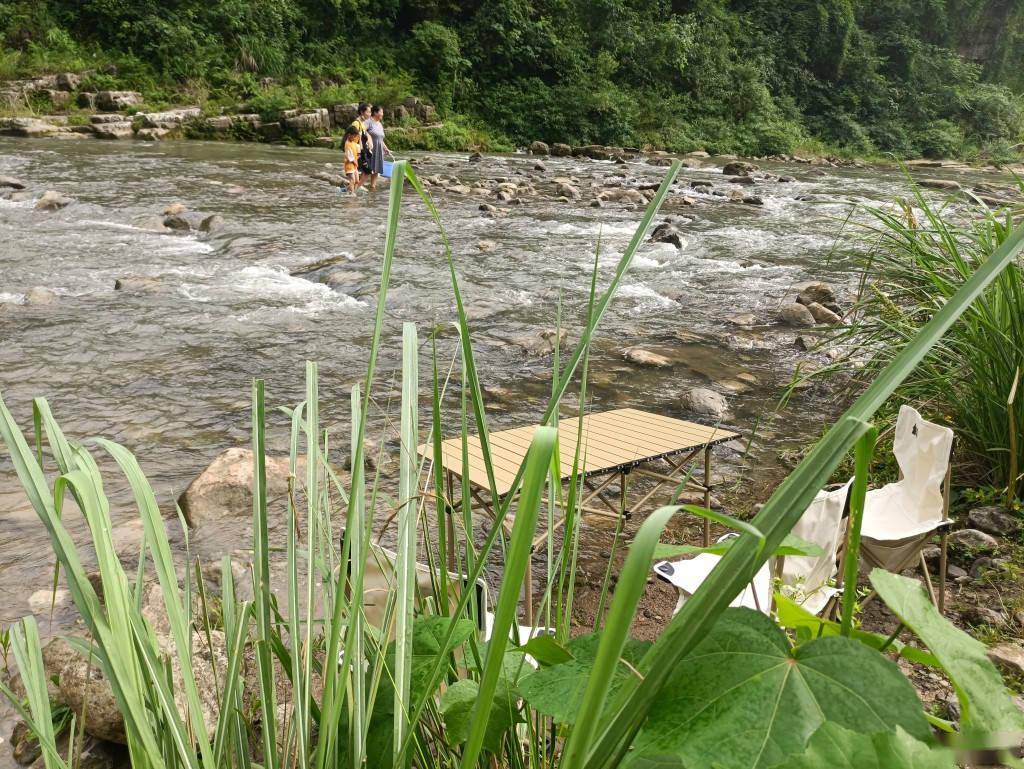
{"points": [[557, 691], [833, 747], [745, 699]]}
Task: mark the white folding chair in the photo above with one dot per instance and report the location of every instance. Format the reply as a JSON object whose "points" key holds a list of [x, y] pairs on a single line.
{"points": [[809, 580], [805, 579], [686, 576], [900, 518]]}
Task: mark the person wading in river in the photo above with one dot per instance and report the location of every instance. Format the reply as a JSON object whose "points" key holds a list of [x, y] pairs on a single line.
{"points": [[375, 128], [365, 140]]}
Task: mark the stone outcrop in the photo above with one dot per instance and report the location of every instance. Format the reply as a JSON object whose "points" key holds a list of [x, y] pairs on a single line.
{"points": [[115, 101]]}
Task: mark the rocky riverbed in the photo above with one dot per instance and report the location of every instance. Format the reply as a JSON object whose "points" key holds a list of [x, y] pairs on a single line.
{"points": [[144, 285]]}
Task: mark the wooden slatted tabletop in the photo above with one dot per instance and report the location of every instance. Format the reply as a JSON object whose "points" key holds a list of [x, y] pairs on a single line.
{"points": [[612, 441]]}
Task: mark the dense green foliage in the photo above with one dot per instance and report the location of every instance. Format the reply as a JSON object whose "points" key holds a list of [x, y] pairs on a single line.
{"points": [[914, 77]]}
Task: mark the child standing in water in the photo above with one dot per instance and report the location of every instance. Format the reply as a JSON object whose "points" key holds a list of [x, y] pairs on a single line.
{"points": [[352, 148]]}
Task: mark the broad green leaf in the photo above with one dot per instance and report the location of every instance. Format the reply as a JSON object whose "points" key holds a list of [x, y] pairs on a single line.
{"points": [[795, 617], [745, 699], [984, 702], [791, 545], [833, 747], [457, 707], [557, 691], [547, 651]]}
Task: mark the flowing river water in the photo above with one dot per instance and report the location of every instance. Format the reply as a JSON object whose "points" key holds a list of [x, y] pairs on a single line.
{"points": [[165, 368]]}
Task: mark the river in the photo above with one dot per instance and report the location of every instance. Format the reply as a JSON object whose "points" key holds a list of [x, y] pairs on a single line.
{"points": [[166, 368]]}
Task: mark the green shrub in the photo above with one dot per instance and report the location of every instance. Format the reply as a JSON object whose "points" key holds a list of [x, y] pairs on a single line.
{"points": [[940, 139]]}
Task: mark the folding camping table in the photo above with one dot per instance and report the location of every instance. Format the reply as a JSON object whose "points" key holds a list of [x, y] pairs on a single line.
{"points": [[615, 444]]}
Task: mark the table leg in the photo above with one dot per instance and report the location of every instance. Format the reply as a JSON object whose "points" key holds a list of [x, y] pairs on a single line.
{"points": [[707, 494], [449, 523]]}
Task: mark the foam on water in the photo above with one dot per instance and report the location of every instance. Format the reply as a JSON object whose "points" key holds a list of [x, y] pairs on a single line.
{"points": [[10, 297]]}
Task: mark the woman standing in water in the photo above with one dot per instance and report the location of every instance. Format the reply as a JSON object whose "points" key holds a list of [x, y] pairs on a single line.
{"points": [[375, 128]]}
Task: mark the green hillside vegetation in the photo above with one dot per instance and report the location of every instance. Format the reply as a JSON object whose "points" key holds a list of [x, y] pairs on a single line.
{"points": [[860, 77]]}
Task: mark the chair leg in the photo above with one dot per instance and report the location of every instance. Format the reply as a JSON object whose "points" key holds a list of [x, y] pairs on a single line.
{"points": [[927, 578], [942, 572]]}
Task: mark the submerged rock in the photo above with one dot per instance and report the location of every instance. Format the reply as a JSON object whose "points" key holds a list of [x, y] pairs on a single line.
{"points": [[51, 200], [10, 181], [177, 222], [40, 295], [212, 223], [701, 400], [795, 315], [643, 357]]}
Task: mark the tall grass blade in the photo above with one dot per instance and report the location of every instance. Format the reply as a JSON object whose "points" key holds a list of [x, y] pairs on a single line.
{"points": [[405, 566], [863, 452], [536, 463]]}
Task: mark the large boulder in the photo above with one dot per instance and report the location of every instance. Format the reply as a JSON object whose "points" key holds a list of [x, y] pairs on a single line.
{"points": [[68, 81], [739, 168], [701, 400], [224, 489], [994, 520], [51, 200], [86, 691], [212, 223], [121, 129], [169, 119], [595, 152], [539, 148], [114, 101], [344, 114], [795, 315], [30, 127], [314, 121], [668, 232], [560, 150]]}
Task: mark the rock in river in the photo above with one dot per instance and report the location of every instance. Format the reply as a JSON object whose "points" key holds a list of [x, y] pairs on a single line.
{"points": [[40, 295], [821, 293], [738, 168], [538, 148], [822, 314], [701, 400], [795, 315], [51, 200], [644, 357], [224, 489], [10, 181], [667, 232], [212, 223]]}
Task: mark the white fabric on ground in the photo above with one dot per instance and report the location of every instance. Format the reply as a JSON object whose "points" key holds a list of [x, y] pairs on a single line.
{"points": [[688, 575]]}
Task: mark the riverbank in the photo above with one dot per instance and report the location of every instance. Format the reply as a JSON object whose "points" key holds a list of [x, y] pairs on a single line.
{"points": [[67, 106]]}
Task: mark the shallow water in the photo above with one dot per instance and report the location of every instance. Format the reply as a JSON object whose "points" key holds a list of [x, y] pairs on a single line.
{"points": [[167, 371]]}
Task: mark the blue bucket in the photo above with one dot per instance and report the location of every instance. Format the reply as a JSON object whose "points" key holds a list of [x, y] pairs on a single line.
{"points": [[386, 173]]}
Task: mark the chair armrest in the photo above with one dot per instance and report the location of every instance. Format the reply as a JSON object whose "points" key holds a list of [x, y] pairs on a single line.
{"points": [[945, 526]]}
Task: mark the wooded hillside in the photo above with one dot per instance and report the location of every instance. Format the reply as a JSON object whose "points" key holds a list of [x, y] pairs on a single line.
{"points": [[913, 77]]}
